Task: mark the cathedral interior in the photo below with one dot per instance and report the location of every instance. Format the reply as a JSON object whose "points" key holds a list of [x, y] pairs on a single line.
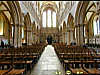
{"points": [[49, 37]]}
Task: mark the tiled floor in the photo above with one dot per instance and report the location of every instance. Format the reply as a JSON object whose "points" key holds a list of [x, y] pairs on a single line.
{"points": [[48, 63]]}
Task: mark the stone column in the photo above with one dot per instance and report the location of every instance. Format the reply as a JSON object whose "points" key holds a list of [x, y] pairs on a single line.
{"points": [[88, 33], [71, 36], [99, 20], [15, 35], [31, 38], [36, 8], [77, 35], [29, 35], [74, 34], [68, 37], [9, 33], [32, 35], [81, 35], [25, 34], [98, 11], [63, 37], [19, 36]]}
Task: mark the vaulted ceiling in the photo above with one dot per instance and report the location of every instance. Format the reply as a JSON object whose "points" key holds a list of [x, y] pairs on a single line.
{"points": [[36, 8], [62, 9]]}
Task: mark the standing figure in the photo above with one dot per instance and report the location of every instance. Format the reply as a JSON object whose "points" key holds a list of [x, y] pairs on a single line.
{"points": [[2, 44], [49, 39]]}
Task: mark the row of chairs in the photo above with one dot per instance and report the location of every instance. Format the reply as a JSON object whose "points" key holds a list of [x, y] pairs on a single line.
{"points": [[93, 45], [19, 61], [77, 55]]}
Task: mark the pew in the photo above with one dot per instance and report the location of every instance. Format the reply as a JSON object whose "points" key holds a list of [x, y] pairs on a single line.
{"points": [[93, 71], [26, 56], [78, 71], [16, 72], [78, 55], [2, 72]]}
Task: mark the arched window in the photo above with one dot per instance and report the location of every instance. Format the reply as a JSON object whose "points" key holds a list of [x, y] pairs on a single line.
{"points": [[75, 32], [49, 18], [96, 27], [1, 25], [22, 32], [12, 30], [44, 19], [84, 31], [54, 19], [97, 23]]}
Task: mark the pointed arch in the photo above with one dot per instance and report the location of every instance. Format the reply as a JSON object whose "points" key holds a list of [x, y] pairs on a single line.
{"points": [[70, 21]]}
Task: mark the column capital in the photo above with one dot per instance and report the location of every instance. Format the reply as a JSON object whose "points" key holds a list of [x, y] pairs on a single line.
{"points": [[18, 25], [98, 11], [80, 25], [21, 25], [77, 26], [69, 30]]}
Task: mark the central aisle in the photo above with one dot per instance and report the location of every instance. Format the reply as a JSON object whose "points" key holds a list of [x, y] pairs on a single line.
{"points": [[48, 63]]}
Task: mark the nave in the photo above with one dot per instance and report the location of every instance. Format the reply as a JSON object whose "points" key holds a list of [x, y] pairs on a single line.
{"points": [[49, 63], [27, 26], [55, 59]]}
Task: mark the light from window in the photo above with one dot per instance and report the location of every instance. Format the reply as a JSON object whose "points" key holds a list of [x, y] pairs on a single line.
{"points": [[49, 18], [54, 19], [84, 31], [98, 25], [12, 30], [22, 32], [95, 28], [1, 25], [44, 19], [75, 32]]}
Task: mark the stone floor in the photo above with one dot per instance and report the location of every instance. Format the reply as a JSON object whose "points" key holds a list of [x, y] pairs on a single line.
{"points": [[48, 63]]}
